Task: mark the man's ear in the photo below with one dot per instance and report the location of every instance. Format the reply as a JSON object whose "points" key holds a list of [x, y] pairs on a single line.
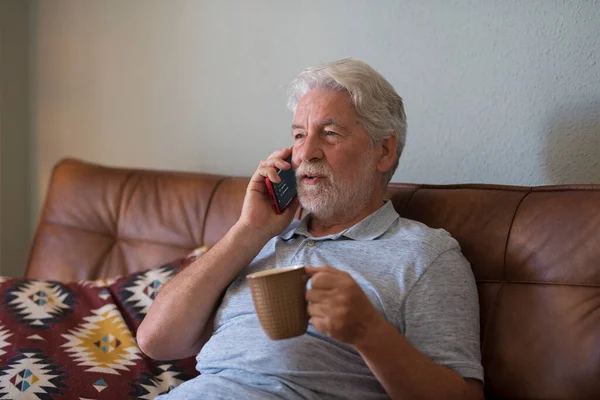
{"points": [[389, 148]]}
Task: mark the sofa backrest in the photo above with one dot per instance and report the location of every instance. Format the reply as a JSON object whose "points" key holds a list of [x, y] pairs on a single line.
{"points": [[535, 253]]}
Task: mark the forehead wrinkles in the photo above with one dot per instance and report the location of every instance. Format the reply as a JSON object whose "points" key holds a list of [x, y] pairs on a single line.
{"points": [[317, 115]]}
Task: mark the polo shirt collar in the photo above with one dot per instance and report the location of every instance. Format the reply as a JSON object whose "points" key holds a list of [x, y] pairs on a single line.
{"points": [[369, 228]]}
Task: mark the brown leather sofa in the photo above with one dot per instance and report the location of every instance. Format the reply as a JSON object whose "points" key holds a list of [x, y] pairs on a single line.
{"points": [[535, 253]]}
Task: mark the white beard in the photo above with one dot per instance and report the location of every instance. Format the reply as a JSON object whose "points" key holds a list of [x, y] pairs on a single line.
{"points": [[330, 199]]}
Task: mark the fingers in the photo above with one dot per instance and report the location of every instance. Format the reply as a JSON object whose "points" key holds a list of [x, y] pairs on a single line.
{"points": [[327, 277], [316, 310], [316, 295], [311, 270], [268, 168], [274, 163], [320, 324], [283, 154]]}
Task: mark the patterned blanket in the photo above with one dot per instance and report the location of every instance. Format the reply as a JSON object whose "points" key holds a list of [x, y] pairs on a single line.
{"points": [[77, 340]]}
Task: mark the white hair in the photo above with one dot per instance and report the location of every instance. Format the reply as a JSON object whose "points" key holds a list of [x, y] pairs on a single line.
{"points": [[379, 107]]}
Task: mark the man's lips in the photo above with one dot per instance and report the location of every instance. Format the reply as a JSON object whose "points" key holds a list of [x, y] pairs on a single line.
{"points": [[311, 179]]}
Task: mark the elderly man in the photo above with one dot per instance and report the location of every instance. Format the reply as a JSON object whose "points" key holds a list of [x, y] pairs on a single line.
{"points": [[393, 304]]}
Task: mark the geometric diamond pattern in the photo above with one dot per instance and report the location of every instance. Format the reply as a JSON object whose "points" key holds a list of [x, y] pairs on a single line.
{"points": [[24, 379], [108, 343], [79, 334], [38, 303], [103, 342], [40, 298], [137, 294], [152, 289], [30, 375], [100, 385], [104, 294], [164, 380]]}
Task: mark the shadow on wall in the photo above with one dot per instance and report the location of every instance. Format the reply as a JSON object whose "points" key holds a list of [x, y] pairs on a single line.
{"points": [[573, 145]]}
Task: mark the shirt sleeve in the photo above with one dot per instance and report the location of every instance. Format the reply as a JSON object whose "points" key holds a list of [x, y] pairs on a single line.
{"points": [[442, 315]]}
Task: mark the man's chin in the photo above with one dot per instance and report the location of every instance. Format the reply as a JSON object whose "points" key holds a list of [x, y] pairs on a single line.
{"points": [[309, 202], [318, 200], [320, 208], [312, 203], [321, 213]]}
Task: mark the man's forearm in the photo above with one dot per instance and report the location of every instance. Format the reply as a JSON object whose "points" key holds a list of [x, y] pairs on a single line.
{"points": [[406, 373], [179, 315]]}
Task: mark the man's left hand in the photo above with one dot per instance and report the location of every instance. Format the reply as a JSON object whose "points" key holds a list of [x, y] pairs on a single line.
{"points": [[338, 307]]}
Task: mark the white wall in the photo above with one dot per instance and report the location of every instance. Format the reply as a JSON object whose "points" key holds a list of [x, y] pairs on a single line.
{"points": [[14, 137], [495, 91]]}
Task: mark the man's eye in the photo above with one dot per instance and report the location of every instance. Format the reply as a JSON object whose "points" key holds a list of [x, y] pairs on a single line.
{"points": [[330, 133], [298, 136]]}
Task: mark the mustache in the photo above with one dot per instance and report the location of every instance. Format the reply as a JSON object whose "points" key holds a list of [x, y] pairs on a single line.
{"points": [[314, 168]]}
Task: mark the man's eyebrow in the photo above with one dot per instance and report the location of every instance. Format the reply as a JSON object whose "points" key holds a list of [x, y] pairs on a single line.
{"points": [[325, 122], [332, 121]]}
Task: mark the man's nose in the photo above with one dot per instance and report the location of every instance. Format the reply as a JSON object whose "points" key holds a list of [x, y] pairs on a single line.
{"points": [[310, 149]]}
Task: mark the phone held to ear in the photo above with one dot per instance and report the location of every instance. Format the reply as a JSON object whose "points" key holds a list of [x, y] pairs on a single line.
{"points": [[282, 193]]}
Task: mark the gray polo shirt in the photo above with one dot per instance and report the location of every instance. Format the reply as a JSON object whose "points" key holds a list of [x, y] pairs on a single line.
{"points": [[415, 276]]}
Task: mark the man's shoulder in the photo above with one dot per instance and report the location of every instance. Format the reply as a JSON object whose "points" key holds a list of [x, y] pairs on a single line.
{"points": [[419, 238], [412, 247]]}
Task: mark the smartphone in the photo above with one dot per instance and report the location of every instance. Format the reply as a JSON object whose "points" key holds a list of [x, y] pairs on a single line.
{"points": [[282, 193]]}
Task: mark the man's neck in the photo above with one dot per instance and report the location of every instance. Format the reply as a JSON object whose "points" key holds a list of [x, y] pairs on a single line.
{"points": [[337, 224]]}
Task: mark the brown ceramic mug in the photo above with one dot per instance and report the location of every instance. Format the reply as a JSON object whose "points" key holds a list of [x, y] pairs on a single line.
{"points": [[279, 299]]}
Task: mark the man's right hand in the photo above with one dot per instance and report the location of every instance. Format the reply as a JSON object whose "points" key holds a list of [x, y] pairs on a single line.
{"points": [[258, 215], [178, 322]]}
